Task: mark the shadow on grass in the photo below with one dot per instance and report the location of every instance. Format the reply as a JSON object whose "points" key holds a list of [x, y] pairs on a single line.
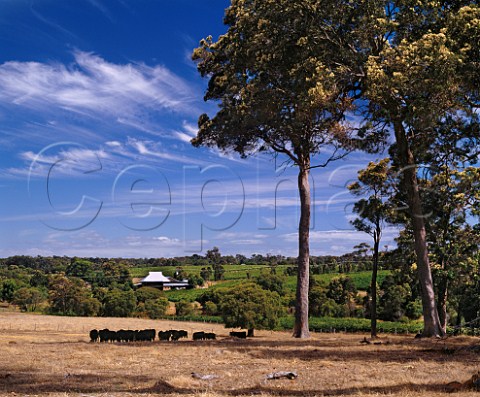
{"points": [[28, 383], [400, 351]]}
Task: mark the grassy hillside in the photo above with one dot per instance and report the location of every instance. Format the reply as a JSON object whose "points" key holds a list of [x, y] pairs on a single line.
{"points": [[361, 280], [241, 272]]}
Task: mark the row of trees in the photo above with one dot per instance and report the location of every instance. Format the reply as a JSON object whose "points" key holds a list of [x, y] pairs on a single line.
{"points": [[289, 75], [72, 296], [255, 303], [57, 264]]}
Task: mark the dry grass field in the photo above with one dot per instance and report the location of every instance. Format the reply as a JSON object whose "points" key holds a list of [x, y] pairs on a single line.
{"points": [[52, 356]]}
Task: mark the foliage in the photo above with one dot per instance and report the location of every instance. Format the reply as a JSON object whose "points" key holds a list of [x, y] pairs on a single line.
{"points": [[249, 306], [323, 306], [156, 308], [28, 298], [272, 282], [9, 287], [329, 324], [341, 290], [118, 303], [210, 308], [206, 273], [184, 308], [372, 213], [194, 280], [148, 293], [88, 306], [213, 256], [69, 296], [396, 300]]}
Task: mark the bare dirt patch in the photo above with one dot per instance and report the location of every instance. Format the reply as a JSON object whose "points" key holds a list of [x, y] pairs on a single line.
{"points": [[52, 356]]}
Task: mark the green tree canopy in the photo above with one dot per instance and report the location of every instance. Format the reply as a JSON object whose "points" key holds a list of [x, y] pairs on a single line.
{"points": [[28, 298], [147, 293], [119, 303], [249, 306]]}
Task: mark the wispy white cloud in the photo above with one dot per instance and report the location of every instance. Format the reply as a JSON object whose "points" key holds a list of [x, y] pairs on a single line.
{"points": [[102, 8], [90, 242], [346, 237], [93, 86]]}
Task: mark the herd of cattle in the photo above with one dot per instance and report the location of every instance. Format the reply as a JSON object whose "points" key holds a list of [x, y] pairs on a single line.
{"points": [[148, 335]]}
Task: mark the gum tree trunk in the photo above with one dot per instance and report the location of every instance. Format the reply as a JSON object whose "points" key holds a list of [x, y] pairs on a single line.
{"points": [[373, 286], [301, 303], [430, 314], [442, 303]]}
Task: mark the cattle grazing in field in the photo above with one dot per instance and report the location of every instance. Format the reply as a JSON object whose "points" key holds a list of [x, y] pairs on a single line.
{"points": [[198, 335], [239, 334], [164, 335], [204, 336], [105, 335], [210, 336], [93, 335], [172, 335], [176, 335]]}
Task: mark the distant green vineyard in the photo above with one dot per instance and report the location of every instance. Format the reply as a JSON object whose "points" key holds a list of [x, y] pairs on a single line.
{"points": [[242, 272], [361, 280]]}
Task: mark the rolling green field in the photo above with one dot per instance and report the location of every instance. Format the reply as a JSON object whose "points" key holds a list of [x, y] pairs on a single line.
{"points": [[361, 280], [241, 272]]}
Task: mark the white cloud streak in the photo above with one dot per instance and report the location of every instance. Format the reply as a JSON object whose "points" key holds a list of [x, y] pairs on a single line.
{"points": [[94, 86]]}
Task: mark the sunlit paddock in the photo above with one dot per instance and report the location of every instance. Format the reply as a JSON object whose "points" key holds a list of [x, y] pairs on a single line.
{"points": [[45, 355]]}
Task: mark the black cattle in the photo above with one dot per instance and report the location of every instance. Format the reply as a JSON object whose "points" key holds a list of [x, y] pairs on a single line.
{"points": [[210, 335], [93, 335], [150, 334], [164, 335], [130, 335], [198, 335], [103, 335], [145, 335], [122, 335], [239, 334], [112, 336], [176, 335], [106, 335]]}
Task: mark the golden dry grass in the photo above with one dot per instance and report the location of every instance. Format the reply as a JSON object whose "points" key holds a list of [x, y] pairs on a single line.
{"points": [[51, 356]]}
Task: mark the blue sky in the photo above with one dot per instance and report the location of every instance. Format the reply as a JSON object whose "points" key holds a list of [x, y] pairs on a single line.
{"points": [[98, 102]]}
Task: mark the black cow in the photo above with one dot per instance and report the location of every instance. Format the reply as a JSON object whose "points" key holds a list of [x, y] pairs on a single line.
{"points": [[93, 335], [122, 335], [103, 335], [198, 335], [239, 334], [164, 335], [176, 335], [150, 333], [210, 335]]}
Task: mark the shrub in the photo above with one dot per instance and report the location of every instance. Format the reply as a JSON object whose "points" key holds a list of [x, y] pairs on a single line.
{"points": [[249, 306], [148, 293], [210, 308], [156, 308], [119, 303], [184, 308]]}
